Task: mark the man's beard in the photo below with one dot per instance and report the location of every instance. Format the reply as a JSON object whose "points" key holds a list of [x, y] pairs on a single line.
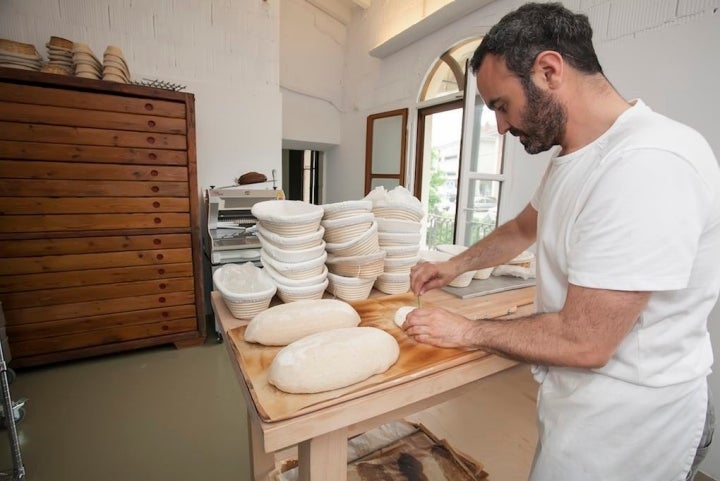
{"points": [[543, 121]]}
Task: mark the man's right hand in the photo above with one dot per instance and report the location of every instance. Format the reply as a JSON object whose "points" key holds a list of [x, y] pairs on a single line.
{"points": [[426, 276]]}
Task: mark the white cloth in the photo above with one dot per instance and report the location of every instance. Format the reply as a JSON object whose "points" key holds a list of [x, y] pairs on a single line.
{"points": [[637, 209]]}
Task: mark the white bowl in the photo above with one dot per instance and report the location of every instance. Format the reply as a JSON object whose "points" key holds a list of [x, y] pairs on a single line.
{"points": [[349, 288], [288, 217], [306, 241]]}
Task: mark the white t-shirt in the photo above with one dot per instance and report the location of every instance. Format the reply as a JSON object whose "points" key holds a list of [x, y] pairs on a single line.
{"points": [[638, 209]]}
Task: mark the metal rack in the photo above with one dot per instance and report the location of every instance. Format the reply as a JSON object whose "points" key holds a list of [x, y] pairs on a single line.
{"points": [[12, 412]]}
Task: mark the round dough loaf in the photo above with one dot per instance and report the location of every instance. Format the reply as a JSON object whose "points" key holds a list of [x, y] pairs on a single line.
{"points": [[282, 324], [333, 359], [401, 314]]}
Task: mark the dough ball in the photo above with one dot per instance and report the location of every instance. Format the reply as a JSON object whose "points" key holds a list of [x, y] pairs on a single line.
{"points": [[401, 314]]}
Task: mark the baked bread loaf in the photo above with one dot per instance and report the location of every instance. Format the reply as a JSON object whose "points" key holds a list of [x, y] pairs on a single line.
{"points": [[251, 178], [282, 324], [333, 359]]}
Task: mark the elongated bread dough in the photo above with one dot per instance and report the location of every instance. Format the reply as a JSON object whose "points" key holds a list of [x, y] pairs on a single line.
{"points": [[333, 359], [401, 314], [282, 324]]}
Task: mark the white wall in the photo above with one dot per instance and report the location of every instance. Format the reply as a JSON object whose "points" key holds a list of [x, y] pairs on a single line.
{"points": [[225, 52]]}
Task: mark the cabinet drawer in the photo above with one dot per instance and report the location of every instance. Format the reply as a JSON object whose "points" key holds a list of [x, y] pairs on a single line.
{"points": [[10, 149], [49, 115], [100, 337], [24, 332], [88, 136], [89, 222], [79, 262], [54, 280], [97, 307], [50, 297], [86, 245], [29, 94], [22, 169], [91, 205], [99, 188]]}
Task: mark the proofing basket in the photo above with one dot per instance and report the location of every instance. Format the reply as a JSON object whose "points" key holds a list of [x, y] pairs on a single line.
{"points": [[398, 210], [280, 279], [292, 294], [345, 229], [284, 255], [301, 242], [392, 283], [296, 270], [401, 251], [367, 266], [348, 208], [244, 304], [288, 218], [367, 243], [397, 225], [398, 238], [349, 288], [400, 265]]}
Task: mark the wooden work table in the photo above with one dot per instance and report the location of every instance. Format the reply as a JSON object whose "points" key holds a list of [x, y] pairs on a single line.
{"points": [[321, 426]]}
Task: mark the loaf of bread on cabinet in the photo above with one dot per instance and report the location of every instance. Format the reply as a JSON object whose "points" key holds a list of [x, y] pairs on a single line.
{"points": [[282, 324], [333, 359]]}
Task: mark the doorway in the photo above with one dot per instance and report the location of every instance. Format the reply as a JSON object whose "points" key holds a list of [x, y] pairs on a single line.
{"points": [[302, 171]]}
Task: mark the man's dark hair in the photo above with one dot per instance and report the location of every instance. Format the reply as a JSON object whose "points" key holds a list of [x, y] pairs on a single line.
{"points": [[533, 28]]}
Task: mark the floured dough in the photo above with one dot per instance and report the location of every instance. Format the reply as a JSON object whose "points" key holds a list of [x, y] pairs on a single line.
{"points": [[401, 314], [333, 359], [282, 324]]}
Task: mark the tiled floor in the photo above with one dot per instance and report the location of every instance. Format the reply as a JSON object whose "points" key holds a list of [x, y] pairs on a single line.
{"points": [[164, 414]]}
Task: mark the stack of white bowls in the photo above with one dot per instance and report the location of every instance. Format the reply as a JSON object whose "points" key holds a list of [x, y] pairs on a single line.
{"points": [[398, 215], [292, 247], [354, 256]]}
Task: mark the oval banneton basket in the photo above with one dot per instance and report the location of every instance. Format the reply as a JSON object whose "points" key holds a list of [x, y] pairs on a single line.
{"points": [[247, 290], [398, 210], [281, 280], [367, 243], [284, 255], [349, 288], [300, 242], [288, 218], [367, 266], [397, 225], [400, 265], [296, 270], [292, 293], [345, 229], [348, 208], [392, 283]]}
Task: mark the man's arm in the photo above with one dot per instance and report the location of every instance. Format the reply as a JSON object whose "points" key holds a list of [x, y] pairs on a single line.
{"points": [[585, 333], [504, 243]]}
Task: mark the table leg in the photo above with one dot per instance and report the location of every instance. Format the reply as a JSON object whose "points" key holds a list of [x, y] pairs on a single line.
{"points": [[262, 463], [324, 458]]}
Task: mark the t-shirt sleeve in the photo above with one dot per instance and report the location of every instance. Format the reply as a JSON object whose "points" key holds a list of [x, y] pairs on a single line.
{"points": [[640, 226]]}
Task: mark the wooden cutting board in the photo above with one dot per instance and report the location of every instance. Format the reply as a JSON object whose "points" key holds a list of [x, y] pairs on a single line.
{"points": [[415, 360]]}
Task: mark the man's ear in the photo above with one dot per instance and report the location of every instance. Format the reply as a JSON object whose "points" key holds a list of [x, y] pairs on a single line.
{"points": [[549, 68]]}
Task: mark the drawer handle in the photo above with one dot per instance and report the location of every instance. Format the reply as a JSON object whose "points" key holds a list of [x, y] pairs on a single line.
{"points": [[155, 188], [154, 173], [165, 314], [165, 327], [157, 220], [151, 140], [156, 204], [149, 106], [157, 242], [162, 285], [160, 257], [161, 300], [151, 123], [152, 156], [161, 271]]}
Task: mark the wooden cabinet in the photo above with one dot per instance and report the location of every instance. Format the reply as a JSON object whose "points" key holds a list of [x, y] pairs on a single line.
{"points": [[100, 246]]}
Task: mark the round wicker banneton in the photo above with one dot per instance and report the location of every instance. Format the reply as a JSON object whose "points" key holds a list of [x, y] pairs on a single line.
{"points": [[349, 288], [348, 208], [288, 217], [364, 266], [296, 243]]}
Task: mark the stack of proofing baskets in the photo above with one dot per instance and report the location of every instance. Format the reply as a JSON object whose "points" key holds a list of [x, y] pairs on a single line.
{"points": [[354, 257], [398, 215], [292, 247]]}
